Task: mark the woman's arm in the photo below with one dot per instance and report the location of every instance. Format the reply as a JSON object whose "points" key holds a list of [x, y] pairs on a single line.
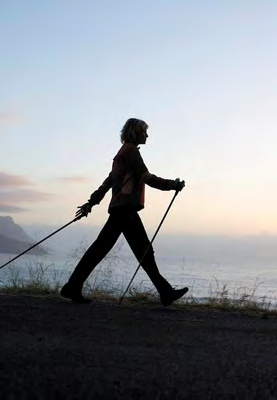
{"points": [[98, 195], [142, 174]]}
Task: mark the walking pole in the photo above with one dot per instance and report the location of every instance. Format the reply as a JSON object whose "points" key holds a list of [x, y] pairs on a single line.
{"points": [[150, 244], [36, 244]]}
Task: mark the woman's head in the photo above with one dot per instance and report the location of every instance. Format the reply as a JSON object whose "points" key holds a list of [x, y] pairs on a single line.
{"points": [[134, 131]]}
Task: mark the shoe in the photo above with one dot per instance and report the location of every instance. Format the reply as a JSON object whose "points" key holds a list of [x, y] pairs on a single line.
{"points": [[76, 297], [174, 295]]}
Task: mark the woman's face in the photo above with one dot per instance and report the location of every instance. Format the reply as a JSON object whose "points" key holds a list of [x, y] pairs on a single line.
{"points": [[142, 136]]}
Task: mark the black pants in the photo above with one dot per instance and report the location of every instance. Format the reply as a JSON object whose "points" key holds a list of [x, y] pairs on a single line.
{"points": [[128, 222]]}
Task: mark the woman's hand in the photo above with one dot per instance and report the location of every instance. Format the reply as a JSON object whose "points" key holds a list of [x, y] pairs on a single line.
{"points": [[84, 210], [179, 185]]}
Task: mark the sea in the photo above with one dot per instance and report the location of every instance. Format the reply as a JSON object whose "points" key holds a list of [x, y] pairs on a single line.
{"points": [[246, 277]]}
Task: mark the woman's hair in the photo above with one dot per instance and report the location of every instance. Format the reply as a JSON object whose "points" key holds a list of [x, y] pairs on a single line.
{"points": [[131, 128]]}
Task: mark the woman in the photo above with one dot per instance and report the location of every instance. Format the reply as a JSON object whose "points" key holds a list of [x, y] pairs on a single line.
{"points": [[127, 180]]}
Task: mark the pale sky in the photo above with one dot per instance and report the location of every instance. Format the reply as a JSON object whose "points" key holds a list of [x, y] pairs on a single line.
{"points": [[201, 73]]}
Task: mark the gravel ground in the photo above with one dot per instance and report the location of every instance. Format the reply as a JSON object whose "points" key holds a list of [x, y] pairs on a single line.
{"points": [[53, 349]]}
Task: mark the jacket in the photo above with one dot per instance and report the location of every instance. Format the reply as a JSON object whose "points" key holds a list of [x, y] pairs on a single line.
{"points": [[127, 180]]}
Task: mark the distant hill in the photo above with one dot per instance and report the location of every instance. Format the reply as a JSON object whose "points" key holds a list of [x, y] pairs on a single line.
{"points": [[14, 240]]}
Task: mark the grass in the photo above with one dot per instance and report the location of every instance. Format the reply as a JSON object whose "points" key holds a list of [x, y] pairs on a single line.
{"points": [[46, 279], [41, 279]]}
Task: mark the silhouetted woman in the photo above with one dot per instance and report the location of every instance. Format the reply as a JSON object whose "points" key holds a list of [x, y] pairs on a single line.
{"points": [[127, 180]]}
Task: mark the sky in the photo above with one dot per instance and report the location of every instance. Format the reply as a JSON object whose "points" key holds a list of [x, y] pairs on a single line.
{"points": [[201, 73]]}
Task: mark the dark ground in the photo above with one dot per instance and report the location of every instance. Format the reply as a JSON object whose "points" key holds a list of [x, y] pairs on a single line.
{"points": [[53, 349]]}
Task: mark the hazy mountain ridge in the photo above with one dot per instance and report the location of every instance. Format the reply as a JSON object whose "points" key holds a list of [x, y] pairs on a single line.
{"points": [[14, 240], [12, 246], [11, 230]]}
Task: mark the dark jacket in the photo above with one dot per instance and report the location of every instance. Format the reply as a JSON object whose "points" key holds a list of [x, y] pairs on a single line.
{"points": [[127, 180]]}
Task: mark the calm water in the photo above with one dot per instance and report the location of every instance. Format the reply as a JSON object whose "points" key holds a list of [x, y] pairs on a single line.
{"points": [[202, 277]]}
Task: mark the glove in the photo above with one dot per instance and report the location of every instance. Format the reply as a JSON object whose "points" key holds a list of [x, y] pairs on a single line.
{"points": [[179, 185], [84, 210]]}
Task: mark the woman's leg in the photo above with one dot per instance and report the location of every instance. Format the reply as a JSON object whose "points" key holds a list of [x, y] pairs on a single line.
{"points": [[136, 236], [137, 239]]}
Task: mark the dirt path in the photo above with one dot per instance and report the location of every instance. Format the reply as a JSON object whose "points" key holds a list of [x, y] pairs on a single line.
{"points": [[53, 349]]}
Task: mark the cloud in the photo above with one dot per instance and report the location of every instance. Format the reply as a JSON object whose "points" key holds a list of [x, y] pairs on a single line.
{"points": [[24, 196], [8, 117], [15, 190], [4, 116], [73, 179], [9, 180], [5, 208]]}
